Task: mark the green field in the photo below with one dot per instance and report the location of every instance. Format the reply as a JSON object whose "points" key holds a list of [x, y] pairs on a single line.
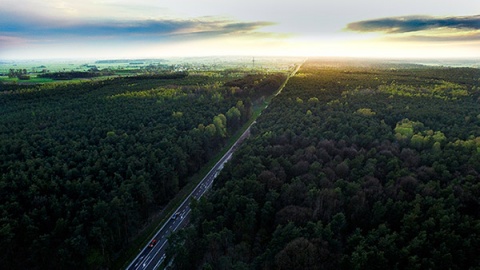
{"points": [[132, 67]]}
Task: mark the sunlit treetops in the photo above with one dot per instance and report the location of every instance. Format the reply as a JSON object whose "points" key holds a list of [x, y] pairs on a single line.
{"points": [[442, 90]]}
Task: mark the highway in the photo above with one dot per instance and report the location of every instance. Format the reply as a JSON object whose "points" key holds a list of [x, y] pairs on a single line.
{"points": [[152, 256]]}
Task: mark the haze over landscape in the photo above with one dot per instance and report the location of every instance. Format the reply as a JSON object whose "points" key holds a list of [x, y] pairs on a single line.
{"points": [[145, 28]]}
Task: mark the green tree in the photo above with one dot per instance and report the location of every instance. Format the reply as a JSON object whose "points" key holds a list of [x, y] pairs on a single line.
{"points": [[220, 122]]}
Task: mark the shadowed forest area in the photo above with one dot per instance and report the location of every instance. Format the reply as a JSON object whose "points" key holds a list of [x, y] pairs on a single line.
{"points": [[84, 165], [365, 166]]}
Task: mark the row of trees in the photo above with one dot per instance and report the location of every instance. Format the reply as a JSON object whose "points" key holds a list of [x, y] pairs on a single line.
{"points": [[70, 75], [83, 166], [21, 74], [332, 179]]}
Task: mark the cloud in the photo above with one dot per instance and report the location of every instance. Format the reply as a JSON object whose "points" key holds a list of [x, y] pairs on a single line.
{"points": [[145, 30], [394, 25], [162, 28], [9, 41], [25, 35], [466, 37]]}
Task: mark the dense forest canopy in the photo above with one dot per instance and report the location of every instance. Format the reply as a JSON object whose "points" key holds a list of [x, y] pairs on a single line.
{"points": [[360, 166], [84, 165]]}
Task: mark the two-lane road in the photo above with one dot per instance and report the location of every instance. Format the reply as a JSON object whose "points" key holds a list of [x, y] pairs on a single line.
{"points": [[152, 256]]}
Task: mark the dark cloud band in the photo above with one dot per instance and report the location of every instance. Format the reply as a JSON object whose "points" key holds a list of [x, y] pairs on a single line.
{"points": [[415, 23], [149, 29]]}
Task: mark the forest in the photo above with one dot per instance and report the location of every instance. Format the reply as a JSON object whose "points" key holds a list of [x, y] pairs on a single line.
{"points": [[85, 164], [353, 166]]}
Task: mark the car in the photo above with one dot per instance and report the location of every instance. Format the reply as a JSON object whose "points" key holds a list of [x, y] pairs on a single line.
{"points": [[153, 243]]}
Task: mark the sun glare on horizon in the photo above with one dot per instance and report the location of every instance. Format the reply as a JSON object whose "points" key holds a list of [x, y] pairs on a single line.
{"points": [[92, 29]]}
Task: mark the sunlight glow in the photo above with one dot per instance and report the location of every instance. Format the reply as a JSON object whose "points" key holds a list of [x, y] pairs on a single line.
{"points": [[147, 28]]}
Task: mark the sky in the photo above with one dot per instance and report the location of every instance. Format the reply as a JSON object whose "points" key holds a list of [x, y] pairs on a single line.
{"points": [[115, 29]]}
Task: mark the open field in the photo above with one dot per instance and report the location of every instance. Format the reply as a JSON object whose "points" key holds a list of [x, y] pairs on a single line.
{"points": [[132, 67]]}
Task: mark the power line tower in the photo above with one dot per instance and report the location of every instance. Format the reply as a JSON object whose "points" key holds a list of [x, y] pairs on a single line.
{"points": [[253, 62]]}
